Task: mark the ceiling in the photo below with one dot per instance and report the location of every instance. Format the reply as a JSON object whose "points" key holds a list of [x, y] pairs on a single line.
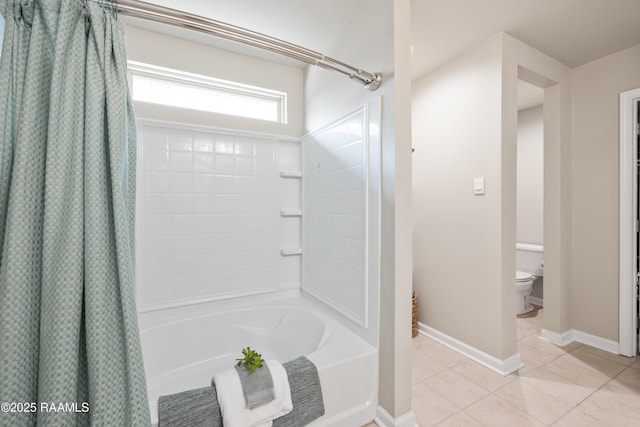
{"points": [[312, 24], [572, 31]]}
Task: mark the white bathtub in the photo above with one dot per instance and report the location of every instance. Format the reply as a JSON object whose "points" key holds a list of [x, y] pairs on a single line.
{"points": [[184, 348]]}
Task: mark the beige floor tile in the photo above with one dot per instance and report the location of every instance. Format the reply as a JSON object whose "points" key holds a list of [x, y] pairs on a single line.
{"points": [[623, 360], [585, 370], [456, 388], [571, 386], [525, 370], [372, 424], [496, 412], [624, 388], [540, 344], [585, 357], [424, 367], [533, 401], [577, 418], [631, 378], [526, 329], [535, 323], [572, 346], [481, 376], [460, 419], [430, 407], [534, 357], [529, 323], [556, 386], [607, 407], [621, 393], [443, 355], [421, 342]]}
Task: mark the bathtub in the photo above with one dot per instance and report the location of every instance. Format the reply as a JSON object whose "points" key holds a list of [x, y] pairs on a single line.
{"points": [[183, 348]]}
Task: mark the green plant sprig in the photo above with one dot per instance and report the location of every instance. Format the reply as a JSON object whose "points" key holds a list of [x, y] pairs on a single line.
{"points": [[251, 360]]}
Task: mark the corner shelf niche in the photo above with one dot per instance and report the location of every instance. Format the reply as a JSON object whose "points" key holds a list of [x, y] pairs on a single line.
{"points": [[291, 174], [290, 251], [291, 213]]}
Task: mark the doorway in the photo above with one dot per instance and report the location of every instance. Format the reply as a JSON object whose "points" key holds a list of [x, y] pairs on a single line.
{"points": [[556, 195], [529, 217]]}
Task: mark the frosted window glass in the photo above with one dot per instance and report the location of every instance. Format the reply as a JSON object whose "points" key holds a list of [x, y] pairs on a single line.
{"points": [[157, 85]]}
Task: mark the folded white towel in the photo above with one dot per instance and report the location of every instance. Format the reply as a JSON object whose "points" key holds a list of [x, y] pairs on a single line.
{"points": [[233, 405]]}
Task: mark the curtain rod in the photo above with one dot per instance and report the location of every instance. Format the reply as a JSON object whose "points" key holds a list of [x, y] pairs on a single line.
{"points": [[178, 18]]}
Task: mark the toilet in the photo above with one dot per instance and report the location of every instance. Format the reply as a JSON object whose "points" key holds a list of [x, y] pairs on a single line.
{"points": [[529, 266]]}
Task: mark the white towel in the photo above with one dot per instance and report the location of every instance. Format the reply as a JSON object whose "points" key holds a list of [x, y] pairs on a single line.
{"points": [[233, 405]]}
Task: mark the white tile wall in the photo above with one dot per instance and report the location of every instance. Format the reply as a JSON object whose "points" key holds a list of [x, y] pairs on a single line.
{"points": [[208, 215], [335, 242]]}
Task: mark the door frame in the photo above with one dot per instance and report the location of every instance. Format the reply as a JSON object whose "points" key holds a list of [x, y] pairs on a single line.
{"points": [[628, 213]]}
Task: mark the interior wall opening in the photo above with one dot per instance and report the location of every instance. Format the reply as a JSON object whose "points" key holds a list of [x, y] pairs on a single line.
{"points": [[529, 211]]}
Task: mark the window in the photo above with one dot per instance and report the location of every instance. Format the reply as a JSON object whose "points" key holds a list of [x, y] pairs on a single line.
{"points": [[163, 86]]}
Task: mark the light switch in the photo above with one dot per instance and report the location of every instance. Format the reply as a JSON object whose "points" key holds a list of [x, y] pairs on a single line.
{"points": [[478, 186]]}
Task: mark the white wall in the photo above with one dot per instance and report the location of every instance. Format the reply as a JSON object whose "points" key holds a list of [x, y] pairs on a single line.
{"points": [[596, 89], [530, 192]]}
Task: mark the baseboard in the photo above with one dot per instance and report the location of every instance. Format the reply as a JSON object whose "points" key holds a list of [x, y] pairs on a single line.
{"points": [[503, 367], [536, 301], [581, 337], [597, 342], [384, 419], [556, 338]]}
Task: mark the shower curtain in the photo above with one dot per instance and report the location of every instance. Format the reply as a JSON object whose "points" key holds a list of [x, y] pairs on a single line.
{"points": [[69, 344]]}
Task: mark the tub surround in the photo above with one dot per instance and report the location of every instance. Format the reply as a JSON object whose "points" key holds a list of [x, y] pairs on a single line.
{"points": [[183, 353], [214, 217], [335, 206]]}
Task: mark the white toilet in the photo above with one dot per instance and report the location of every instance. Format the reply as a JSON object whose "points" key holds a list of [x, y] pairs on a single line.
{"points": [[529, 266]]}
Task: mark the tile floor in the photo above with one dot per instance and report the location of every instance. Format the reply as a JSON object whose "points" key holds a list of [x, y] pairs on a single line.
{"points": [[572, 386]]}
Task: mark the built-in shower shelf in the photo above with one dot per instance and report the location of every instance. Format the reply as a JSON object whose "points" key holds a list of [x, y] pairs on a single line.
{"points": [[290, 212], [291, 174], [291, 251]]}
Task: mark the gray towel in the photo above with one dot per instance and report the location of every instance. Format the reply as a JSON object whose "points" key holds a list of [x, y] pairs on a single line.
{"points": [[193, 408], [257, 387], [306, 394], [199, 408]]}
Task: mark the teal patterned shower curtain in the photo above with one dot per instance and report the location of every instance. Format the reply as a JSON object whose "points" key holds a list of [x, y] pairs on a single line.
{"points": [[69, 343]]}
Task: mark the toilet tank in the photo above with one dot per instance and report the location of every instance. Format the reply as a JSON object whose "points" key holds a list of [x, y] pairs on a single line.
{"points": [[529, 258]]}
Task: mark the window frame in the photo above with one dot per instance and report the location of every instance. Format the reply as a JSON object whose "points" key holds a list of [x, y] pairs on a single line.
{"points": [[184, 78]]}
